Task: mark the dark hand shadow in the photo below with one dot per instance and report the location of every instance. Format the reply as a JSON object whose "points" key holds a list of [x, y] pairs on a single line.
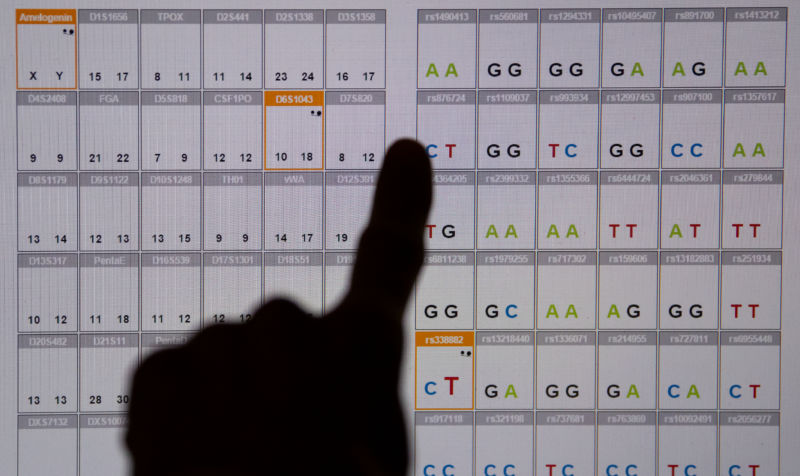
{"points": [[287, 393]]}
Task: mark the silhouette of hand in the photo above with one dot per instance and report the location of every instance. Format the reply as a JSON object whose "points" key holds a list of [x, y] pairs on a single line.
{"points": [[287, 393]]}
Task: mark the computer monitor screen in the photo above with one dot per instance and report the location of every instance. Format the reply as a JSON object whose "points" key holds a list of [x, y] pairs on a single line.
{"points": [[611, 266]]}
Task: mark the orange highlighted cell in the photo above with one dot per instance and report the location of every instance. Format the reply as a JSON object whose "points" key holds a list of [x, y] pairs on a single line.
{"points": [[295, 99], [39, 16], [423, 339]]}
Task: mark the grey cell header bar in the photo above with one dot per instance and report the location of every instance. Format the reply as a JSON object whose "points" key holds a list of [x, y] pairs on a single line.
{"points": [[355, 17], [47, 179], [293, 259], [47, 260], [340, 258], [628, 258], [109, 98], [293, 17], [46, 422], [150, 260], [690, 258], [569, 97], [693, 15], [692, 96], [634, 177], [627, 338], [127, 16], [750, 418], [505, 338], [690, 177], [166, 340], [443, 418], [47, 341], [104, 421], [683, 418], [232, 179], [351, 179], [557, 418], [232, 98], [688, 338], [232, 259], [446, 16], [95, 179], [232, 16], [191, 17], [355, 98], [453, 178], [506, 98], [750, 338], [626, 418], [499, 258], [576, 15], [171, 98], [566, 258], [631, 15], [747, 258], [46, 98], [170, 179], [504, 418], [108, 260], [565, 338], [524, 15], [755, 96], [567, 178], [507, 178], [438, 98], [93, 340], [756, 14], [274, 179], [449, 258], [639, 96], [752, 177]]}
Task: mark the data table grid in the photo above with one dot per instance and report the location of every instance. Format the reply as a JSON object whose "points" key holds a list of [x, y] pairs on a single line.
{"points": [[603, 254]]}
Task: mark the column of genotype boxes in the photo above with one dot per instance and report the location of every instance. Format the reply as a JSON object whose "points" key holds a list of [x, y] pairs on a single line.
{"points": [[175, 169], [604, 261]]}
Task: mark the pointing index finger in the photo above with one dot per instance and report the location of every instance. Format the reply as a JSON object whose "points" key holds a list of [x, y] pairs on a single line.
{"points": [[391, 249]]}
